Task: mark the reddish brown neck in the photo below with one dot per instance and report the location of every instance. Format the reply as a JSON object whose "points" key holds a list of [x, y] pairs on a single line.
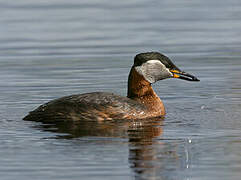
{"points": [[140, 90], [138, 86]]}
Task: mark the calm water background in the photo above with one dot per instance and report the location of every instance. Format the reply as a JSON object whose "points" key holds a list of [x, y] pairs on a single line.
{"points": [[55, 48]]}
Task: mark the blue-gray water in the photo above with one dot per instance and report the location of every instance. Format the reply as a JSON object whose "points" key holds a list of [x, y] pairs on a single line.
{"points": [[55, 48]]}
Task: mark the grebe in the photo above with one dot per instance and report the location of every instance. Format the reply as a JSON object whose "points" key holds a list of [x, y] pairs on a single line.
{"points": [[141, 101]]}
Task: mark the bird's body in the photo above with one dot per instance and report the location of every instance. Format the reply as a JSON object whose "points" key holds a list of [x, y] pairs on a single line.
{"points": [[141, 101], [92, 106]]}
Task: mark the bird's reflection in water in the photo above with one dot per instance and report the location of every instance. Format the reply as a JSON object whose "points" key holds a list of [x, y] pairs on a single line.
{"points": [[144, 147]]}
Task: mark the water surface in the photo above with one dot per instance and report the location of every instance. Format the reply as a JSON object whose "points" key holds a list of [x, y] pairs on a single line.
{"points": [[52, 49]]}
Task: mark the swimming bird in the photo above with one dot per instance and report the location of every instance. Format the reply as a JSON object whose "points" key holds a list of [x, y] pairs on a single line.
{"points": [[141, 101]]}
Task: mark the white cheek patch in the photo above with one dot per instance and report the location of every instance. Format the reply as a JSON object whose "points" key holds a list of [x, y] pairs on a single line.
{"points": [[153, 70]]}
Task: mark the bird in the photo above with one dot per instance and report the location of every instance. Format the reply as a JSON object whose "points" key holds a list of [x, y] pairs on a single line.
{"points": [[141, 101]]}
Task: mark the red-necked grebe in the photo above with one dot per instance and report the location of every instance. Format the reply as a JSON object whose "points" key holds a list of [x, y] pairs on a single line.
{"points": [[141, 101]]}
